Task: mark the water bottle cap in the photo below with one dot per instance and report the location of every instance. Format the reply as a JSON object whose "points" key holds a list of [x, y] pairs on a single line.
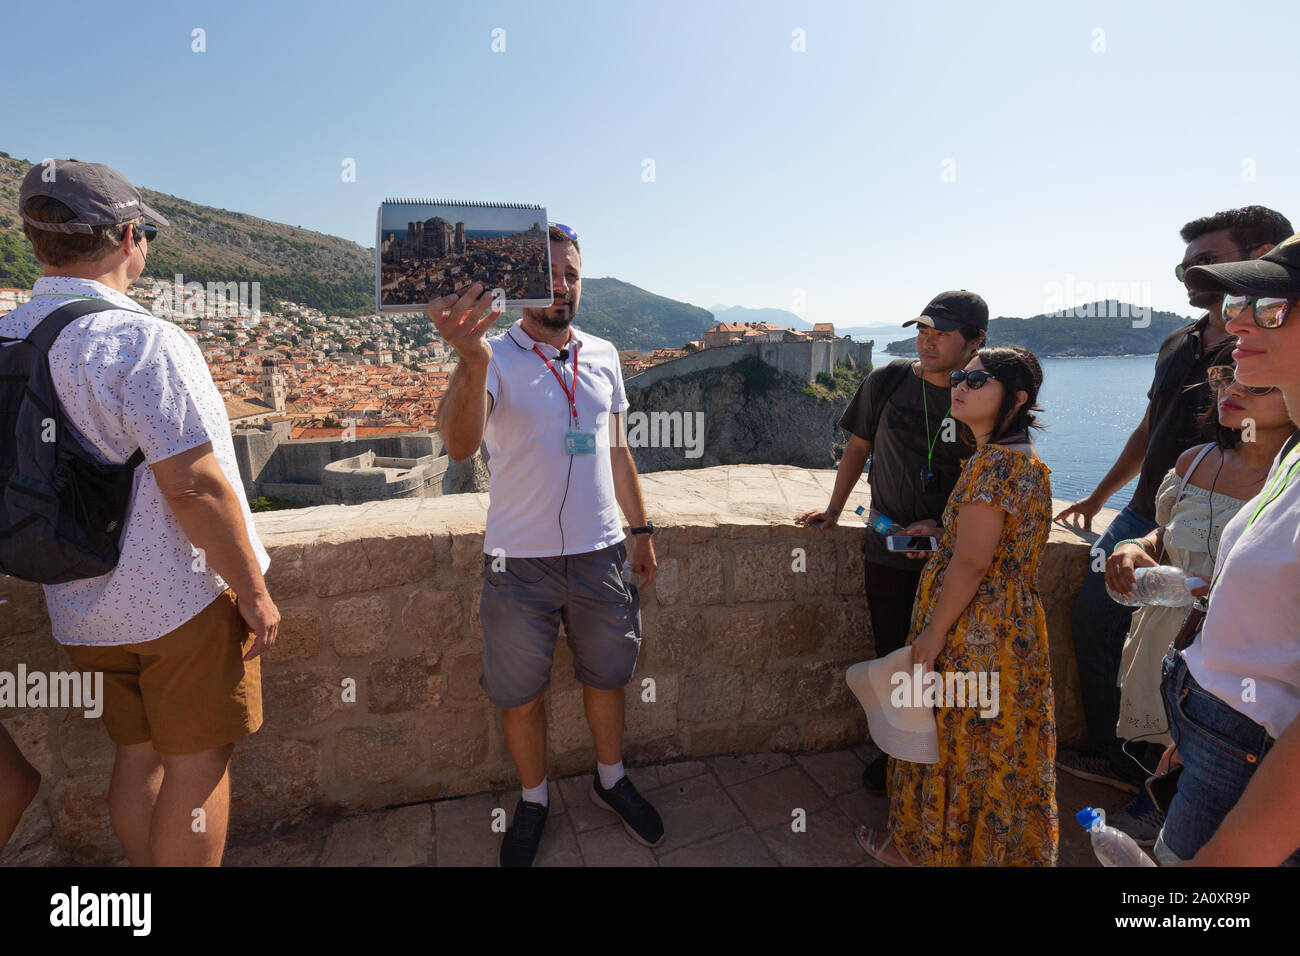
{"points": [[1091, 818], [858, 510]]}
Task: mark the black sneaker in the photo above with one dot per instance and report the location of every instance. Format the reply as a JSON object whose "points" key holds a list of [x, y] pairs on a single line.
{"points": [[1087, 765], [641, 820], [1140, 820], [873, 776], [519, 848]]}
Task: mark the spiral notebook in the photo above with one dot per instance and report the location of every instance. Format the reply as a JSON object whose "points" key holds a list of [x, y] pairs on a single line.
{"points": [[426, 249]]}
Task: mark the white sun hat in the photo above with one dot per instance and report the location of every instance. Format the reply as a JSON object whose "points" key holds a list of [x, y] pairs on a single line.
{"points": [[909, 732]]}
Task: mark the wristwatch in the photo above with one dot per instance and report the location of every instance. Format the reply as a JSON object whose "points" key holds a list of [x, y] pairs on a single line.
{"points": [[647, 528]]}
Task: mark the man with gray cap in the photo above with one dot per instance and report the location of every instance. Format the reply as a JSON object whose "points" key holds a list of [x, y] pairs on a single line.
{"points": [[897, 419], [177, 624]]}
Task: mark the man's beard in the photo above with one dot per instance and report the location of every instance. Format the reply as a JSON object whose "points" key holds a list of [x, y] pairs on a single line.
{"points": [[1204, 300], [555, 323]]}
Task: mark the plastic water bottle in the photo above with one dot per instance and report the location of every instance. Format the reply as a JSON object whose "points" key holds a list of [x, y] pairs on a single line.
{"points": [[1164, 585], [1113, 847], [881, 524]]}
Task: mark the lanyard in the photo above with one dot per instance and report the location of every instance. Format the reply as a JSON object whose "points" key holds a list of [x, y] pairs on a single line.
{"points": [[571, 396], [925, 404], [1281, 481]]}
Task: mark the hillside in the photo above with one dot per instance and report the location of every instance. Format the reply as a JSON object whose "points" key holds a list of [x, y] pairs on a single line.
{"points": [[216, 245], [1096, 330], [752, 415], [633, 318]]}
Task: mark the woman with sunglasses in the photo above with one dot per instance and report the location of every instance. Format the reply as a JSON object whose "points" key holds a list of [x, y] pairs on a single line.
{"points": [[1235, 688], [1197, 498], [991, 798]]}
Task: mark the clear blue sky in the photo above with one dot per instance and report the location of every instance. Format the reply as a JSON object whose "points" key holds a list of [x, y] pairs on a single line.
{"points": [[774, 170]]}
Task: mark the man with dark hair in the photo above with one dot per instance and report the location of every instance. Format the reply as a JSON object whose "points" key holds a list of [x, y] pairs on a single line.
{"points": [[899, 419], [1169, 427], [547, 399], [176, 631]]}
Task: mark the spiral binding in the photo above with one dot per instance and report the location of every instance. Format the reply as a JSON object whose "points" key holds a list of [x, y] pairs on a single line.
{"points": [[450, 202]]}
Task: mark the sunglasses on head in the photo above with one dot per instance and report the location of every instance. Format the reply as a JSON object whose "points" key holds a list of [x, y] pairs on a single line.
{"points": [[1268, 312], [1221, 376], [973, 380], [567, 230]]}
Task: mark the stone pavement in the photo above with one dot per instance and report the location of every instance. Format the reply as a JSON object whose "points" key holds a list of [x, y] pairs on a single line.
{"points": [[720, 811]]}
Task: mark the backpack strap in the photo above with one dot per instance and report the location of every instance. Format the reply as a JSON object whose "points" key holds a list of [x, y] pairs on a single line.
{"points": [[48, 329]]}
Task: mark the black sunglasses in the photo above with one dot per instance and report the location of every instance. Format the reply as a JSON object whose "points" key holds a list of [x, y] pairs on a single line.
{"points": [[145, 231], [974, 380], [1268, 312]]}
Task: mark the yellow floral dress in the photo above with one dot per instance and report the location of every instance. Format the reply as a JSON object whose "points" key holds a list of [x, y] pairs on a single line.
{"points": [[991, 798]]}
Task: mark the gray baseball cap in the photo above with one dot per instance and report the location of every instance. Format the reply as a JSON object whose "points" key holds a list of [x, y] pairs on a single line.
{"points": [[97, 194]]}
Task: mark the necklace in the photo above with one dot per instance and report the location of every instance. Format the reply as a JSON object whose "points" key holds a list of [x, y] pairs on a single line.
{"points": [[1209, 532]]}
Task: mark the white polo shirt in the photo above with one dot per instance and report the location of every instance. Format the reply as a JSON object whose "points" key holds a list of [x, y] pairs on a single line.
{"points": [[544, 502], [1248, 653], [128, 380]]}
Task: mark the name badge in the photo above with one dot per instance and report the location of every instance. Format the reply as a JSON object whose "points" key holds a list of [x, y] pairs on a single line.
{"points": [[580, 443]]}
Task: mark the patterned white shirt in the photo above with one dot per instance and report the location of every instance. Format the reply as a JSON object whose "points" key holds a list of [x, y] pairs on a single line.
{"points": [[128, 380]]}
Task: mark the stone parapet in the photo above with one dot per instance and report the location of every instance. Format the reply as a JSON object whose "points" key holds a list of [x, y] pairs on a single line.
{"points": [[371, 694]]}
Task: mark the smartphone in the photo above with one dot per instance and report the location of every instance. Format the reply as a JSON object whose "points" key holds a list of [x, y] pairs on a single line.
{"points": [[1162, 787], [904, 542]]}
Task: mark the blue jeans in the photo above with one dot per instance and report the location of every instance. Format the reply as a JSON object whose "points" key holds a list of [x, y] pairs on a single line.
{"points": [[1220, 749], [1100, 627]]}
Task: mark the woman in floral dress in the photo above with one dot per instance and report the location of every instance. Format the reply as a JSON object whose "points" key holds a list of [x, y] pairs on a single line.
{"points": [[991, 798]]}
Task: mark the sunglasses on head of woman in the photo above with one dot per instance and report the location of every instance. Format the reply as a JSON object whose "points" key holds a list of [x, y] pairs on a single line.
{"points": [[1221, 376], [1268, 312], [973, 380]]}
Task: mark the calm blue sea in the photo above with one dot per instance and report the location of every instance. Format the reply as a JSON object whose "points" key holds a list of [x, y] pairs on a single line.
{"points": [[1090, 407]]}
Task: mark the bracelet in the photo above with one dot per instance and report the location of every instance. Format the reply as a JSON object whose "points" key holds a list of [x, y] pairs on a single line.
{"points": [[1138, 541]]}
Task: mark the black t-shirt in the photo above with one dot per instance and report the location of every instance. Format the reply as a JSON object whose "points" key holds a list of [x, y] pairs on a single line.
{"points": [[898, 455], [1179, 393]]}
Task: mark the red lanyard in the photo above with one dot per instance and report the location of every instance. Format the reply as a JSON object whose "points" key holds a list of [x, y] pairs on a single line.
{"points": [[571, 396]]}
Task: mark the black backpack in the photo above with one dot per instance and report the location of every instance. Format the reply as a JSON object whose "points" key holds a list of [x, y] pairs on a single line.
{"points": [[62, 511]]}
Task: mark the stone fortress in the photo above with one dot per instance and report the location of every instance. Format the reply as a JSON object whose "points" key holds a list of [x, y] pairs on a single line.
{"points": [[800, 354], [348, 469]]}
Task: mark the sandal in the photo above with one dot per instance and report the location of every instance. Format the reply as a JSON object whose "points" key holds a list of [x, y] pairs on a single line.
{"points": [[877, 852]]}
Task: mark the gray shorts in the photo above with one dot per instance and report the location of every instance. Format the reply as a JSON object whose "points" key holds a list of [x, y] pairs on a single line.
{"points": [[521, 609]]}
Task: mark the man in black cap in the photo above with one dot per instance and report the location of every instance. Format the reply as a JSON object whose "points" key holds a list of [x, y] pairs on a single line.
{"points": [[1234, 690], [899, 419], [1169, 427], [177, 638]]}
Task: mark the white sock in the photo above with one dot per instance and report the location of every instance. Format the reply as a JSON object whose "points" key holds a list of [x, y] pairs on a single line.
{"points": [[538, 794], [610, 773]]}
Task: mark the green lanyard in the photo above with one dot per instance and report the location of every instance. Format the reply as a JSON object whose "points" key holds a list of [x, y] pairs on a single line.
{"points": [[925, 404], [1281, 481]]}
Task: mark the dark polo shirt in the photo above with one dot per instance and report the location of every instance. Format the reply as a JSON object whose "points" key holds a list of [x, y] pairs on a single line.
{"points": [[1179, 394], [898, 455]]}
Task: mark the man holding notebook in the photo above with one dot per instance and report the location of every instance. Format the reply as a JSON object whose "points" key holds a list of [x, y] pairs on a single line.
{"points": [[548, 401]]}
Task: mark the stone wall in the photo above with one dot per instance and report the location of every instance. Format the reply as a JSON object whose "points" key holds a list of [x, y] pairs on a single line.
{"points": [[745, 653], [800, 359]]}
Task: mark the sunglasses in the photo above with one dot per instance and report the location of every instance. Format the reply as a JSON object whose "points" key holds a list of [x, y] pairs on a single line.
{"points": [[1269, 313], [145, 231], [1204, 259], [567, 230], [974, 380], [1221, 376]]}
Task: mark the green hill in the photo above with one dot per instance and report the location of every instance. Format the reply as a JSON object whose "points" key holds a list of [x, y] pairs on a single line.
{"points": [[328, 273], [633, 318], [216, 245], [1101, 328]]}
